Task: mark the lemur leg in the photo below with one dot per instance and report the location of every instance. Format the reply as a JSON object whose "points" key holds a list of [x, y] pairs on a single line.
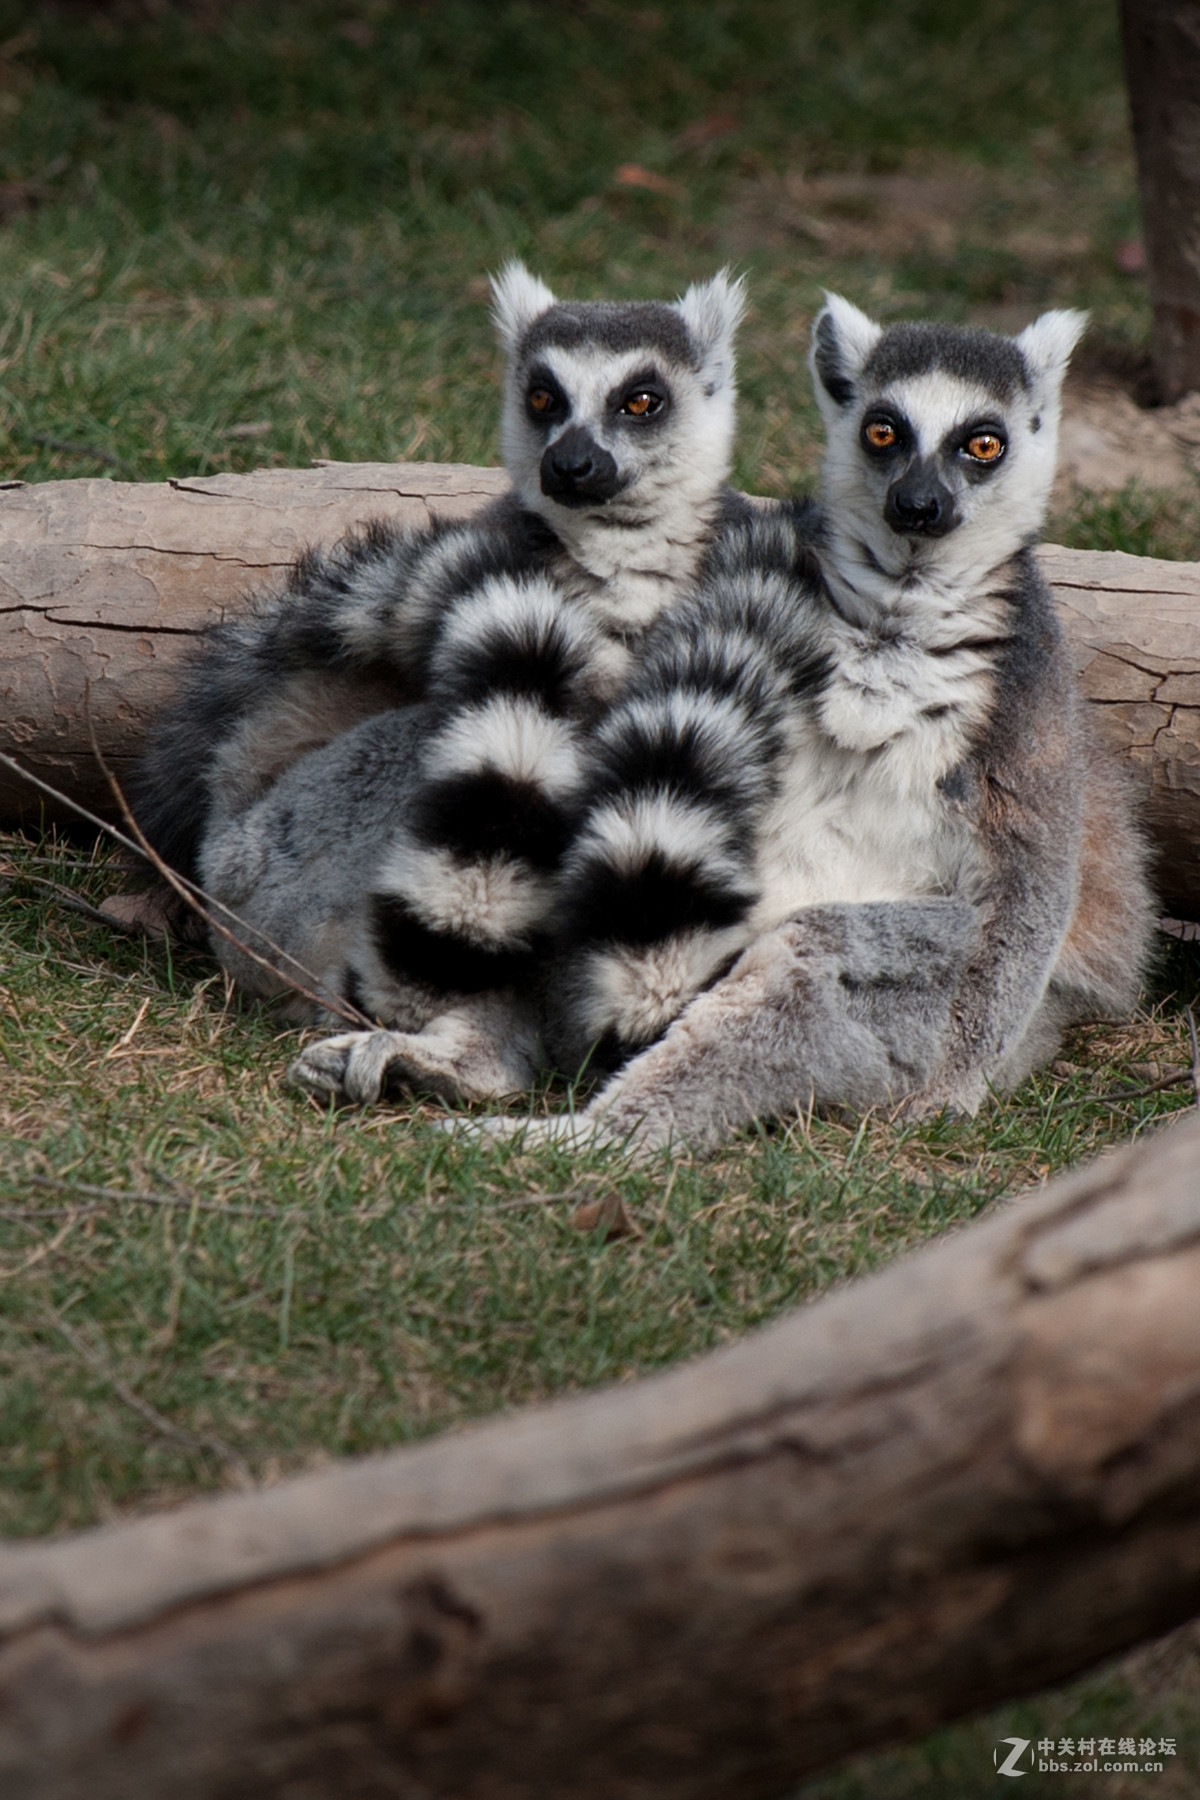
{"points": [[842, 1004], [486, 1048], [295, 866]]}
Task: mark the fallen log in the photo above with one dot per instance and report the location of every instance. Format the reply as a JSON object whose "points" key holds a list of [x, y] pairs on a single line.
{"points": [[973, 1474], [103, 584]]}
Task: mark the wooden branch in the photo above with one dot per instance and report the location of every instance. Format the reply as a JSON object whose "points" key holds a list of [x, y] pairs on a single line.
{"points": [[971, 1475], [105, 584]]}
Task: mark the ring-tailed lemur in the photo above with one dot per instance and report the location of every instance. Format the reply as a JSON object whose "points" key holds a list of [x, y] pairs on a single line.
{"points": [[933, 864], [406, 857]]}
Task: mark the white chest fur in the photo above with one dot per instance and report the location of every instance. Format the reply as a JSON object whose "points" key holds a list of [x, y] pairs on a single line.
{"points": [[859, 815]]}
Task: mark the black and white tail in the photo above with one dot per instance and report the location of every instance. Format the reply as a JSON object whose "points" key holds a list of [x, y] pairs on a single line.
{"points": [[351, 634], [465, 901], [660, 881]]}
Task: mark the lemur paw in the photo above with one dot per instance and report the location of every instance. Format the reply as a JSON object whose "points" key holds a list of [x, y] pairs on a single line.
{"points": [[960, 1097], [350, 1069]]}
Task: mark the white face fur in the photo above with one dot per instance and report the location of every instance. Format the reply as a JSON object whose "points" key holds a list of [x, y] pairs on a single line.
{"points": [[616, 414], [941, 440]]}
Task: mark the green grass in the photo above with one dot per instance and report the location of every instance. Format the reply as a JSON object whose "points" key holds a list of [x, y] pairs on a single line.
{"points": [[292, 1284], [261, 235], [300, 1283], [264, 231]]}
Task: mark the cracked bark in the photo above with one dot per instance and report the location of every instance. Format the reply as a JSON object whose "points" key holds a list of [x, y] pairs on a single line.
{"points": [[958, 1480], [1133, 625], [103, 585]]}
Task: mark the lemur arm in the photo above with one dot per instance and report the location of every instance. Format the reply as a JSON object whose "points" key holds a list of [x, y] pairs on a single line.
{"points": [[1028, 806]]}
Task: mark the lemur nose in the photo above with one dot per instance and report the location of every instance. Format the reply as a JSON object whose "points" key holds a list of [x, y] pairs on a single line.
{"points": [[572, 465], [577, 471], [920, 508], [925, 511]]}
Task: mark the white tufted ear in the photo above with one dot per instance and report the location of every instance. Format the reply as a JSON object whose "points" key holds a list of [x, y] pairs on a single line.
{"points": [[1047, 344], [842, 340], [712, 311], [519, 298]]}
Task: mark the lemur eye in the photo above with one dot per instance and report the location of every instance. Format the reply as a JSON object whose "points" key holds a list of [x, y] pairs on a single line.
{"points": [[541, 400], [985, 446], [643, 404], [880, 434]]}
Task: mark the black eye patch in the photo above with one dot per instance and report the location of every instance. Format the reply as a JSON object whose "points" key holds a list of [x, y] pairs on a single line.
{"points": [[544, 398], [884, 431], [979, 446], [644, 396]]}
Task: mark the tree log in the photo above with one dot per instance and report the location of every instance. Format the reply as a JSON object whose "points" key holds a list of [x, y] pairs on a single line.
{"points": [[973, 1474], [105, 583]]}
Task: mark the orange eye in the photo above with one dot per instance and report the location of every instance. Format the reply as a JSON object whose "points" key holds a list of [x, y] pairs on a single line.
{"points": [[985, 446], [540, 400], [642, 405], [880, 434]]}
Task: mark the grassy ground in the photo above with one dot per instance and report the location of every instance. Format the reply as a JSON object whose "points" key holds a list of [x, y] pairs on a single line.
{"points": [[241, 234]]}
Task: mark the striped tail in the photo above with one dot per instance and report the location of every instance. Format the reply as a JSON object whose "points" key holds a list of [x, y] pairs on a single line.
{"points": [[466, 900], [350, 635], [661, 879]]}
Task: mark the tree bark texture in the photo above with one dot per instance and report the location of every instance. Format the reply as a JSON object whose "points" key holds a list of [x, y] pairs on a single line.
{"points": [[104, 584], [1162, 66], [958, 1480]]}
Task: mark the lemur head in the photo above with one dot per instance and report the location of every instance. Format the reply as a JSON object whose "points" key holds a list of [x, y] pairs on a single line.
{"points": [[613, 410], [941, 439]]}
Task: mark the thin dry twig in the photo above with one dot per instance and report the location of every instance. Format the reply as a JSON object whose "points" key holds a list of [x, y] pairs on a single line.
{"points": [[188, 891], [1114, 1097], [193, 896], [1194, 1071], [535, 1200], [66, 898], [70, 448], [214, 1446], [24, 1215], [140, 1197]]}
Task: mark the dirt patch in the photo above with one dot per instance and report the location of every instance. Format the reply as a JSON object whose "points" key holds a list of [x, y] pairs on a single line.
{"points": [[1107, 441], [850, 215]]}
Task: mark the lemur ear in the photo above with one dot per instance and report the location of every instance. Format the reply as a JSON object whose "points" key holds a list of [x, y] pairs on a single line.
{"points": [[712, 311], [519, 298], [1047, 344], [842, 340]]}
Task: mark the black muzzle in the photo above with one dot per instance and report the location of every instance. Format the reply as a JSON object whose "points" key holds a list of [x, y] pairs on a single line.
{"points": [[919, 504], [577, 471]]}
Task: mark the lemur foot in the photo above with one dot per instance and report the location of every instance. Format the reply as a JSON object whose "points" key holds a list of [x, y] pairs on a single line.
{"points": [[960, 1097], [350, 1069], [471, 1054]]}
